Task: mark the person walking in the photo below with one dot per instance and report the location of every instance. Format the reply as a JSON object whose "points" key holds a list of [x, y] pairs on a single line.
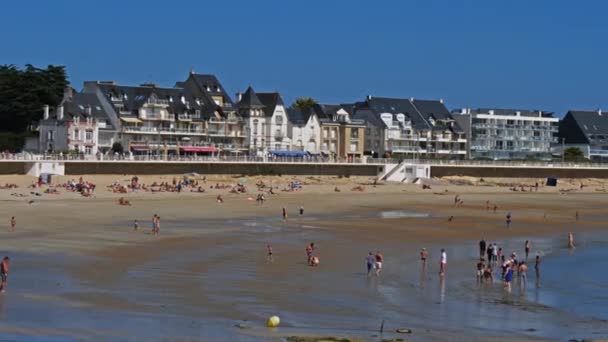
{"points": [[370, 260], [4, 273], [13, 224], [527, 248], [482, 248], [443, 262]]}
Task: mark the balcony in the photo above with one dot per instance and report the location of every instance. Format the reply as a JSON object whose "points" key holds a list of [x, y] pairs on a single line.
{"points": [[163, 131], [187, 117]]}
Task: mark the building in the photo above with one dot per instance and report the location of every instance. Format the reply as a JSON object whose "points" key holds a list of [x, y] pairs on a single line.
{"points": [[410, 128], [225, 128], [266, 123], [587, 130], [341, 136], [74, 125], [194, 117], [304, 130], [509, 133]]}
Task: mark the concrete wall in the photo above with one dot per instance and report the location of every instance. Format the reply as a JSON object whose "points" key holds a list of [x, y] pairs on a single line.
{"points": [[75, 168], [12, 168], [520, 172]]}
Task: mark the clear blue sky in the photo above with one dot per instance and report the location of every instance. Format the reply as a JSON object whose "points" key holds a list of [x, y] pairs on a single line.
{"points": [[527, 54]]}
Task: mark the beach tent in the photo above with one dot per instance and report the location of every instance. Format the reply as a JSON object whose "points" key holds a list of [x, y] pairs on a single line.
{"points": [[551, 181]]}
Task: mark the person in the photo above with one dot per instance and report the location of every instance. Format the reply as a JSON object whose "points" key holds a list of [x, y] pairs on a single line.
{"points": [[284, 214], [489, 252], [571, 240], [154, 224], [301, 211], [508, 278], [480, 267], [537, 267], [379, 261], [576, 215], [508, 220], [370, 260], [135, 225], [523, 269], [309, 249], [157, 225], [219, 199], [443, 262], [13, 223], [314, 261], [4, 273], [488, 274], [500, 256], [423, 256], [487, 205], [482, 248], [269, 252], [495, 207], [527, 248]]}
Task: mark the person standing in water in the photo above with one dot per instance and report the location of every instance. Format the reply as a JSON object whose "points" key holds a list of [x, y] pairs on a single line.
{"points": [[443, 262], [284, 214], [423, 255], [4, 273], [135, 225], [571, 240], [527, 248], [370, 260], [489, 252], [508, 220], [482, 248], [301, 211], [379, 261], [269, 252], [13, 224]]}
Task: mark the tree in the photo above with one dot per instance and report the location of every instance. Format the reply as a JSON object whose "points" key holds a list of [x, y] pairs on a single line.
{"points": [[117, 148], [573, 154], [304, 103], [23, 94]]}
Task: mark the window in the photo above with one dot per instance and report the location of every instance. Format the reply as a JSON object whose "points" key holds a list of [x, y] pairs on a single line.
{"points": [[87, 150], [354, 133], [277, 147], [255, 127], [279, 120], [89, 135], [325, 134], [76, 134]]}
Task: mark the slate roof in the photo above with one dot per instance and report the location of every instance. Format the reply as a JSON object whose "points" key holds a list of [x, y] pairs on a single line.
{"points": [[250, 100], [215, 87], [423, 114], [78, 105], [585, 127], [299, 117], [134, 97], [270, 102]]}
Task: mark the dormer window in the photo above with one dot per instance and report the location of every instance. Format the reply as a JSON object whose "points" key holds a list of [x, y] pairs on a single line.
{"points": [[198, 101], [183, 99], [217, 88], [124, 96], [208, 88]]}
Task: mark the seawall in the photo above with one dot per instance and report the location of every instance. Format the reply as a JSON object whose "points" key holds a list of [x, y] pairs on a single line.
{"points": [[518, 172]]}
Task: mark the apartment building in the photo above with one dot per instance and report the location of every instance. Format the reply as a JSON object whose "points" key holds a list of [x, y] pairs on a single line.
{"points": [[304, 130], [266, 123], [341, 136], [194, 117], [410, 128], [509, 133], [586, 130]]}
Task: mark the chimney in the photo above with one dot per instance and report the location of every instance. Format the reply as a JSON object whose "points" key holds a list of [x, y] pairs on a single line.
{"points": [[46, 112], [238, 96], [60, 112], [411, 99], [491, 112], [68, 92]]}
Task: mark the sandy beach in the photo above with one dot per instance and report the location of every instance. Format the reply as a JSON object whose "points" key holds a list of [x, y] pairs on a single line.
{"points": [[80, 266]]}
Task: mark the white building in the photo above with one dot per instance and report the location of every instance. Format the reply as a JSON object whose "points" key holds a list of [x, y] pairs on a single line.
{"points": [[74, 125], [304, 130], [265, 121], [410, 128], [509, 133]]}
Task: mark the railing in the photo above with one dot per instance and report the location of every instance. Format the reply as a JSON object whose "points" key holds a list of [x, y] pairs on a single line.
{"points": [[309, 159]]}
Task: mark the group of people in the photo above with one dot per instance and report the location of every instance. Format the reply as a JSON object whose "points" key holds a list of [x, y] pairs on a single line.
{"points": [[374, 263]]}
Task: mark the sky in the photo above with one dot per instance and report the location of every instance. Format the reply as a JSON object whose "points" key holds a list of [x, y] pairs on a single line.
{"points": [[550, 55]]}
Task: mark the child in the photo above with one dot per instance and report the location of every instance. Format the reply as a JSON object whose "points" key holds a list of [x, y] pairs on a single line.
{"points": [[135, 225]]}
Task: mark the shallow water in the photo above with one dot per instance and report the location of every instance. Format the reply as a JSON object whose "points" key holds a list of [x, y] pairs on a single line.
{"points": [[568, 302]]}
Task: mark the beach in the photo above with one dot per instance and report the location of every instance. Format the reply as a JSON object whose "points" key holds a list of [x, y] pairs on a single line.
{"points": [[80, 271]]}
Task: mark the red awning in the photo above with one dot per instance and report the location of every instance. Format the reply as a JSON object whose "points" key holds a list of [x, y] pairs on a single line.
{"points": [[198, 149]]}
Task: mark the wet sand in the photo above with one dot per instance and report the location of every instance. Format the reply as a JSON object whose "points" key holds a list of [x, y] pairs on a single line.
{"points": [[80, 267]]}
